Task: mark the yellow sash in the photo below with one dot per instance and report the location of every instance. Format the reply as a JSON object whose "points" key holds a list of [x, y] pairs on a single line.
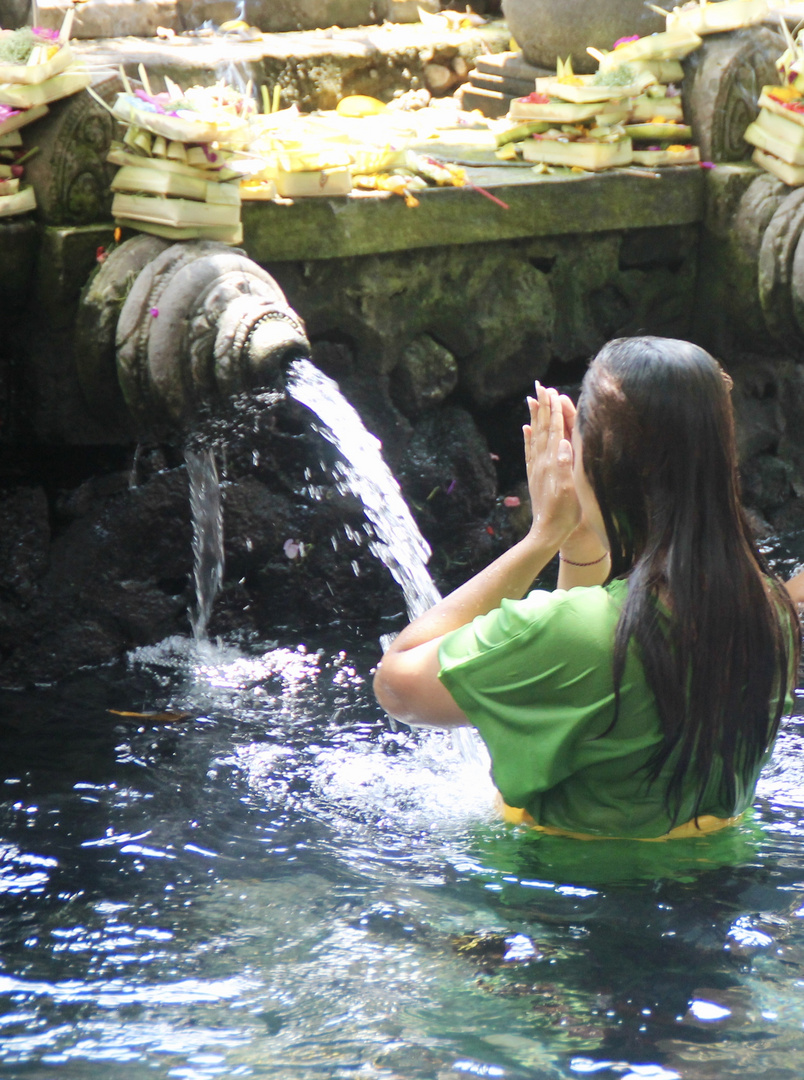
{"points": [[706, 823]]}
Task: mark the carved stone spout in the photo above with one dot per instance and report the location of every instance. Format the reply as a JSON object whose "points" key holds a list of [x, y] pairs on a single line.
{"points": [[198, 323]]}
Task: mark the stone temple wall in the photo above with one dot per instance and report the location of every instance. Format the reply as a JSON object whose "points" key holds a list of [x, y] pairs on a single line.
{"points": [[436, 348], [434, 321]]}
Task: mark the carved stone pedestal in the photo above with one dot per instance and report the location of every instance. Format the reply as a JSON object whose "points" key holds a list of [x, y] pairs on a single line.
{"points": [[70, 174], [722, 83]]}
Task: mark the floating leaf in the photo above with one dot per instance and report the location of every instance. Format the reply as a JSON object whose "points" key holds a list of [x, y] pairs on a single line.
{"points": [[152, 717]]}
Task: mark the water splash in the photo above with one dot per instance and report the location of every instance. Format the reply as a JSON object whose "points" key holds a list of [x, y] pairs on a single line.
{"points": [[207, 518]]}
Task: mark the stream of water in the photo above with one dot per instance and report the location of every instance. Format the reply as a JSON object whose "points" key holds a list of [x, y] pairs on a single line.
{"points": [[397, 541], [206, 512], [361, 471]]}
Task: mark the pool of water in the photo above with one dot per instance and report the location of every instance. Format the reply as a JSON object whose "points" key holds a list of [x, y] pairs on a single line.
{"points": [[263, 878]]}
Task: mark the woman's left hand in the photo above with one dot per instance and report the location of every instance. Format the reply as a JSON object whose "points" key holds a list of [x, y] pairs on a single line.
{"points": [[548, 458]]}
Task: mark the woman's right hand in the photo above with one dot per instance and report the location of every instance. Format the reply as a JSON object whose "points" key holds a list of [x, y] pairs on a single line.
{"points": [[548, 459]]}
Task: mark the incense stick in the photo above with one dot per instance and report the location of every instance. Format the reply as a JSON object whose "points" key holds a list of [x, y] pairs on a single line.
{"points": [[144, 79], [124, 80], [66, 26]]}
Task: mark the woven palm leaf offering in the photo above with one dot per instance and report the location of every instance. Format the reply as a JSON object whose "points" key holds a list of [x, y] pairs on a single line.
{"points": [[572, 120], [37, 66], [778, 131], [703, 17], [15, 197], [174, 178], [659, 55]]}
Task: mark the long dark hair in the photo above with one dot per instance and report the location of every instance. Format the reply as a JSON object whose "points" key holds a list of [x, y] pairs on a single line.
{"points": [[718, 636]]}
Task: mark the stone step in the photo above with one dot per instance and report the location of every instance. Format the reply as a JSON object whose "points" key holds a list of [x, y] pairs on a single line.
{"points": [[491, 103], [511, 65], [501, 84], [497, 79]]}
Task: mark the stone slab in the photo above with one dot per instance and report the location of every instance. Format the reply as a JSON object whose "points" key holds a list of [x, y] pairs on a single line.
{"points": [[313, 70], [115, 18], [535, 206], [479, 80], [491, 103], [512, 65]]}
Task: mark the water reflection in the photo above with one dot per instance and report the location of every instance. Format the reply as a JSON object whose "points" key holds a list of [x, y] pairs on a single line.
{"points": [[276, 882]]}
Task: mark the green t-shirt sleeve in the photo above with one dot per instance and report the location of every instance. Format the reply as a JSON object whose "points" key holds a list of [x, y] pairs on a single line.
{"points": [[534, 677]]}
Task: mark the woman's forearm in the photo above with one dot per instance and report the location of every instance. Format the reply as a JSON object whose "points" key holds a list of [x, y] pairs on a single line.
{"points": [[508, 577], [406, 681], [795, 586]]}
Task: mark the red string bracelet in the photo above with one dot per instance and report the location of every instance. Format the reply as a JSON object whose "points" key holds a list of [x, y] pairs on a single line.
{"points": [[572, 562]]}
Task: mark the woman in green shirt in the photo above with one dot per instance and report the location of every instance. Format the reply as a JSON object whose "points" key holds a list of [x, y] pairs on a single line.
{"points": [[643, 696]]}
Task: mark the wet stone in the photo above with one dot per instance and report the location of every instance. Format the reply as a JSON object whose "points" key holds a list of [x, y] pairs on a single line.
{"points": [[776, 263], [24, 541], [449, 473], [426, 375]]}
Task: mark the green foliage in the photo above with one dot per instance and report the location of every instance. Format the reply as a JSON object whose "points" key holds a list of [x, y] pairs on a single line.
{"points": [[624, 75], [15, 48]]}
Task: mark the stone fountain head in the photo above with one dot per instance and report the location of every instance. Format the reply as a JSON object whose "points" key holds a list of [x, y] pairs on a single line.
{"points": [[166, 332]]}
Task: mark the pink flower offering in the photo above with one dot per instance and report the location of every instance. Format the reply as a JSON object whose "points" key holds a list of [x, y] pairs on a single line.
{"points": [[293, 549], [159, 101]]}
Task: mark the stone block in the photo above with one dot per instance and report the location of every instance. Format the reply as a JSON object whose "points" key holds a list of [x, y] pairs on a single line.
{"points": [[740, 201], [67, 257], [491, 103], [544, 29], [112, 18], [404, 11], [275, 18], [721, 87], [19, 243], [14, 13], [325, 228], [511, 65], [501, 84]]}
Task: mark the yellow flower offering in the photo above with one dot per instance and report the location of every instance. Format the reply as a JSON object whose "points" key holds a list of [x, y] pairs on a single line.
{"points": [[358, 105]]}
